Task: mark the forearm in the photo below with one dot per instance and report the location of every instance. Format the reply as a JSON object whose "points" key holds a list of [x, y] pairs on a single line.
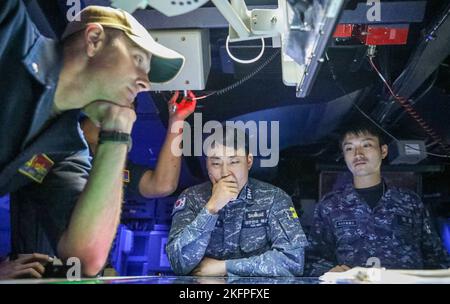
{"points": [[187, 248], [317, 267], [96, 215], [272, 263], [163, 181]]}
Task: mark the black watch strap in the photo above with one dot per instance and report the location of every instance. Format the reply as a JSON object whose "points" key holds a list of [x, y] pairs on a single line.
{"points": [[115, 136]]}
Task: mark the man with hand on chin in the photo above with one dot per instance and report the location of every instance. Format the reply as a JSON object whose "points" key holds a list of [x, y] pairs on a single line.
{"points": [[60, 206], [235, 225]]}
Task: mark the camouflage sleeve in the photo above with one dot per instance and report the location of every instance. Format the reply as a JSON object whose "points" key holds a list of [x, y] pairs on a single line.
{"points": [[320, 254], [286, 256], [189, 235], [434, 254]]}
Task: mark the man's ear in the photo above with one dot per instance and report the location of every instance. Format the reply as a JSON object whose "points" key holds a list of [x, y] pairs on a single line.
{"points": [[249, 161], [94, 36], [384, 151]]}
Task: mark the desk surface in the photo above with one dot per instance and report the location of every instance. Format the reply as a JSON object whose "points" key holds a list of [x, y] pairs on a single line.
{"points": [[172, 280], [354, 275]]}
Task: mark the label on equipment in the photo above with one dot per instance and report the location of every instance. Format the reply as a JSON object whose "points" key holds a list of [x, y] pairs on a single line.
{"points": [[412, 149]]}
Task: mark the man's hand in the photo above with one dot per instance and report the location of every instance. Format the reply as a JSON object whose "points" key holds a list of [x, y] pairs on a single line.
{"points": [[210, 267], [180, 111], [223, 191], [25, 266], [340, 268], [111, 117]]}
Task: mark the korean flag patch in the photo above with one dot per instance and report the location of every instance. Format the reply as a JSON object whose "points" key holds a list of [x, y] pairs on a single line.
{"points": [[179, 205]]}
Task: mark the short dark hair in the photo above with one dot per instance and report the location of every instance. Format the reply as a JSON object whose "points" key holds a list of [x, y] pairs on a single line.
{"points": [[233, 137], [361, 128]]}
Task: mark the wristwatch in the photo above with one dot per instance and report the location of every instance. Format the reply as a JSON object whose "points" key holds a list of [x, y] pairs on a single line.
{"points": [[116, 136]]}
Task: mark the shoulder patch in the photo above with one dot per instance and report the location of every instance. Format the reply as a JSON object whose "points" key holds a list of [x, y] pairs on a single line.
{"points": [[37, 167], [293, 212], [179, 205]]}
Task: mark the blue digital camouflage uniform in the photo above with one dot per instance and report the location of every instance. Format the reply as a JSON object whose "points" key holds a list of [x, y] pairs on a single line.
{"points": [[398, 231], [259, 234]]}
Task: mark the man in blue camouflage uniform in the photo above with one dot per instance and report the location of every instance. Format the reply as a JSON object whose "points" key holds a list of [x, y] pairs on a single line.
{"points": [[234, 225], [370, 218]]}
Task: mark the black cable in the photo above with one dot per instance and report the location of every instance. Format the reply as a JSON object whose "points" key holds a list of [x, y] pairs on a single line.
{"points": [[333, 74], [406, 105], [243, 80], [415, 100]]}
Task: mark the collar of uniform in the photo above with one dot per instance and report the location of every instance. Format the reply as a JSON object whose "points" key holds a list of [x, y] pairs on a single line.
{"points": [[350, 186], [350, 191], [44, 61], [246, 193]]}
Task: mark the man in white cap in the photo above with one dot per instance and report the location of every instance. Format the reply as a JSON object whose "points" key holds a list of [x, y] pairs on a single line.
{"points": [[59, 204]]}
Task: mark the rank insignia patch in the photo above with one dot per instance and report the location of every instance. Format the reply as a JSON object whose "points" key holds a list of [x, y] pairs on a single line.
{"points": [[37, 167], [293, 212]]}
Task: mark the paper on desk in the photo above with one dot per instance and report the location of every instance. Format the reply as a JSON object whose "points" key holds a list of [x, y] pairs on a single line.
{"points": [[388, 276]]}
